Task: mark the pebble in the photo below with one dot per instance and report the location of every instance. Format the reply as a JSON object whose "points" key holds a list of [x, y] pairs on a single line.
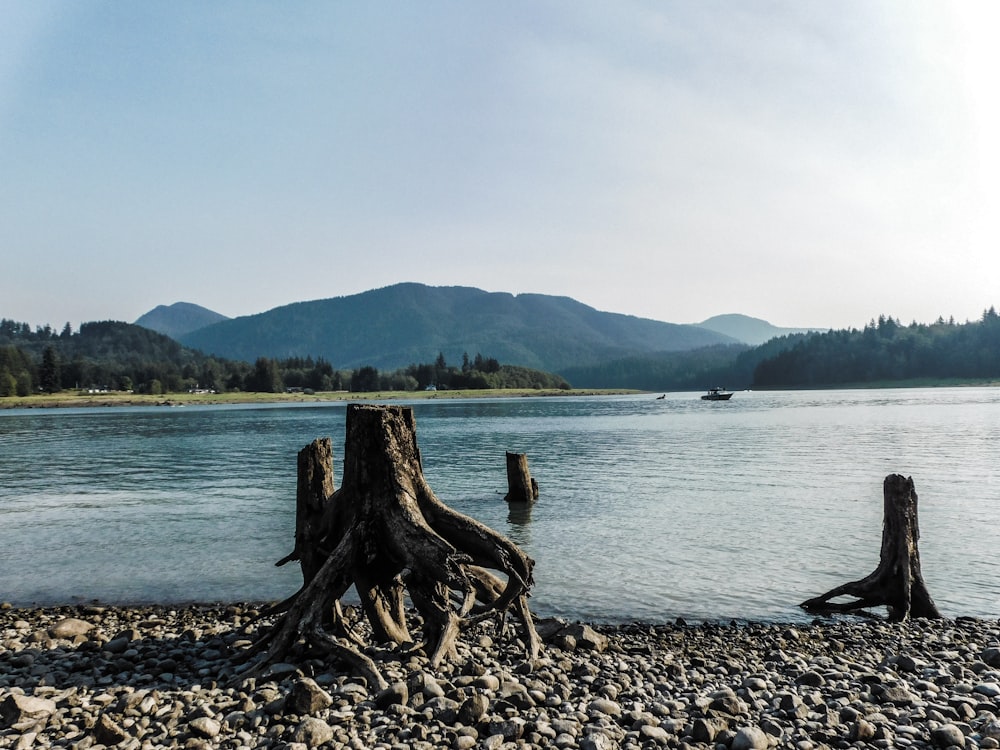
{"points": [[145, 677]]}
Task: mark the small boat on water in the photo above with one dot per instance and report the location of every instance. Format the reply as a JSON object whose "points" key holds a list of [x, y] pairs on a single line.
{"points": [[717, 394]]}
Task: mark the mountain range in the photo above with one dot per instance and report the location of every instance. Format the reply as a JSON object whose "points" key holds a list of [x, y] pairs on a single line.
{"points": [[747, 330], [178, 319], [407, 323]]}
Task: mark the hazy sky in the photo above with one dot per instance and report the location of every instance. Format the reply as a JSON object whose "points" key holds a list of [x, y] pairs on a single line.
{"points": [[810, 163]]}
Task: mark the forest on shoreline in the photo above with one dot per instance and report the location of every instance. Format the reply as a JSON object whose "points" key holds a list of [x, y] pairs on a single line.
{"points": [[120, 357], [884, 352]]}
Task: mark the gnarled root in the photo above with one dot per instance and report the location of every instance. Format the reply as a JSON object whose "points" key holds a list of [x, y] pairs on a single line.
{"points": [[897, 582], [387, 534]]}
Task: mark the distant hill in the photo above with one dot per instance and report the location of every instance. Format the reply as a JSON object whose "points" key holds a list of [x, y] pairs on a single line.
{"points": [[747, 330], [405, 323], [178, 319]]}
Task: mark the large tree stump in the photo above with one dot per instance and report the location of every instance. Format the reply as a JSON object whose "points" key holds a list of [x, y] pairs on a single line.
{"points": [[386, 533], [521, 487], [312, 501], [897, 582]]}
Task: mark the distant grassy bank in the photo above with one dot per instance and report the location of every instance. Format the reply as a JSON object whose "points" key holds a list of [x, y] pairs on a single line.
{"points": [[81, 398]]}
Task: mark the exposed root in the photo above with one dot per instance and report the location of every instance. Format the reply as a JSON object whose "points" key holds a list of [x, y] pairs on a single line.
{"points": [[385, 533]]}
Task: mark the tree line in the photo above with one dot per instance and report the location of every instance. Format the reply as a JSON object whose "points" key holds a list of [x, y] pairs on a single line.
{"points": [[120, 356], [886, 350], [477, 373], [115, 356]]}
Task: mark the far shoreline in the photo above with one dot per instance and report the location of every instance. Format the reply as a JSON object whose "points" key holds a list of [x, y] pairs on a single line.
{"points": [[81, 399]]}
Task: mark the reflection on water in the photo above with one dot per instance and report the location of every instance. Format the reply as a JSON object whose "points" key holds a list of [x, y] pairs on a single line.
{"points": [[518, 520], [733, 509]]}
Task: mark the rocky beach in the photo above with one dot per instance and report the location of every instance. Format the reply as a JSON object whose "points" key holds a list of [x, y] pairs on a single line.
{"points": [[146, 677]]}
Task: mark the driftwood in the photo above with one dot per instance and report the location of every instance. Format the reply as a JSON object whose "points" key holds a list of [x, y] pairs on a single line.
{"points": [[521, 487], [897, 582], [387, 534]]}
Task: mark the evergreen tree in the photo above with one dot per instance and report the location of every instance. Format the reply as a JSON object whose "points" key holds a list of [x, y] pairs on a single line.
{"points": [[364, 379], [24, 383], [265, 378], [49, 372], [8, 384]]}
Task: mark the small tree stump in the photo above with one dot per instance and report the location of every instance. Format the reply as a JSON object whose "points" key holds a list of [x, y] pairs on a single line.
{"points": [[521, 487], [897, 582], [312, 501], [386, 533]]}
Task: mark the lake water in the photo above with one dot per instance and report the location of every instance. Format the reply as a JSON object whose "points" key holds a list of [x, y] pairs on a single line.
{"points": [[649, 509]]}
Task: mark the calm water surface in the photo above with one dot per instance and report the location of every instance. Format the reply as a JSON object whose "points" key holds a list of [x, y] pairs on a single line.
{"points": [[650, 509]]}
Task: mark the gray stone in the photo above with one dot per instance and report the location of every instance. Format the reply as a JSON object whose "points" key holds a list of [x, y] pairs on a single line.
{"points": [[810, 678], [656, 734], [706, 730], [473, 709], [862, 731], [396, 694], [549, 627], [307, 698], [510, 729], [948, 735], [586, 637], [991, 656], [488, 682], [605, 706], [108, 732], [896, 695], [989, 689], [353, 692], [70, 627], [991, 729], [16, 708], [749, 738], [729, 703], [597, 741], [313, 732], [205, 727]]}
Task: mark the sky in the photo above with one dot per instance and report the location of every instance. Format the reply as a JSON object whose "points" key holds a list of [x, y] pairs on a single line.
{"points": [[805, 162]]}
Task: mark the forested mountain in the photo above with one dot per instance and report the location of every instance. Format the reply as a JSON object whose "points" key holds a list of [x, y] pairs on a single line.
{"points": [[747, 330], [887, 350], [179, 318], [396, 325], [731, 366]]}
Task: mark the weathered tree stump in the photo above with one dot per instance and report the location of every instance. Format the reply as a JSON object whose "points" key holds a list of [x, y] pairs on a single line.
{"points": [[385, 532], [312, 501], [897, 582], [521, 487]]}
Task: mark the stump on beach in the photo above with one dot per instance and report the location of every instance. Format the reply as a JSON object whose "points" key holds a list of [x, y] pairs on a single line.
{"points": [[521, 487], [897, 582], [312, 500], [387, 534]]}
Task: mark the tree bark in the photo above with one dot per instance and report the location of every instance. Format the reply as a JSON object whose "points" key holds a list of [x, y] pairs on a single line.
{"points": [[385, 532], [897, 582], [521, 488], [312, 501]]}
